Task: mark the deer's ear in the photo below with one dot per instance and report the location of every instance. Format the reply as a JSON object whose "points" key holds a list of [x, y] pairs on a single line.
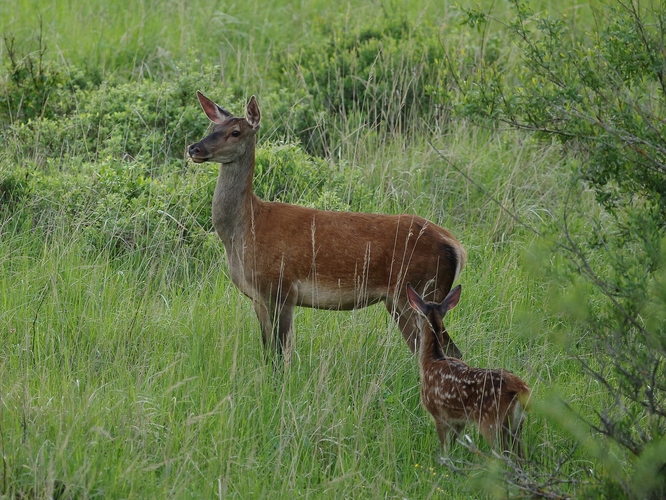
{"points": [[253, 115], [450, 301], [214, 112], [416, 301]]}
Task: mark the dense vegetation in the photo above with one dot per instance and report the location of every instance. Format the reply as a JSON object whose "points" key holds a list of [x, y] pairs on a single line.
{"points": [[130, 366]]}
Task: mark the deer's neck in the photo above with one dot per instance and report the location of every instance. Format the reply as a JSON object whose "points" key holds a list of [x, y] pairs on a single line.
{"points": [[233, 200]]}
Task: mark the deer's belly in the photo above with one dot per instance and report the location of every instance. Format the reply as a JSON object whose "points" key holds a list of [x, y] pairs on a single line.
{"points": [[335, 296]]}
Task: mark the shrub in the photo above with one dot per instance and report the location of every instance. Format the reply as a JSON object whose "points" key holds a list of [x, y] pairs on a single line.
{"points": [[284, 172], [385, 73], [147, 121], [602, 94], [33, 87], [14, 187], [127, 205]]}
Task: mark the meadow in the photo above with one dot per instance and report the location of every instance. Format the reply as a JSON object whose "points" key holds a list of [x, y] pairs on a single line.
{"points": [[131, 367]]}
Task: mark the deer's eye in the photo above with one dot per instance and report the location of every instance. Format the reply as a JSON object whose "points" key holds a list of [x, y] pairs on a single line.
{"points": [[236, 133]]}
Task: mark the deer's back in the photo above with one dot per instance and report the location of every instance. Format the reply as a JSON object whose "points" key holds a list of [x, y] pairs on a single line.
{"points": [[344, 259]]}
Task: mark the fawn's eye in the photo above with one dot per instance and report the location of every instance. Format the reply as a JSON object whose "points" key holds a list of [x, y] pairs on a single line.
{"points": [[236, 133]]}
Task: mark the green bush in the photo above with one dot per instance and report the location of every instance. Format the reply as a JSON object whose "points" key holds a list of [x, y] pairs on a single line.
{"points": [[126, 204], [52, 112], [112, 163], [284, 172], [147, 121], [33, 87], [386, 73], [14, 187], [602, 95]]}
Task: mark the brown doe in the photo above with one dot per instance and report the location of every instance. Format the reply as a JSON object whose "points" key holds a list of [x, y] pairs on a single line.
{"points": [[455, 393], [283, 255]]}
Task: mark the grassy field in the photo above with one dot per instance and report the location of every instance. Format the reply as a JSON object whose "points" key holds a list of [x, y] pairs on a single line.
{"points": [[136, 370]]}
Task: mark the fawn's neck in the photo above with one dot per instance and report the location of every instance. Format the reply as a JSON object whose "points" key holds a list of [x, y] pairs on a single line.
{"points": [[430, 349]]}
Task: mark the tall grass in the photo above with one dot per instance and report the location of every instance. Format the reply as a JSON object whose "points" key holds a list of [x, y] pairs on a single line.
{"points": [[143, 38], [140, 373]]}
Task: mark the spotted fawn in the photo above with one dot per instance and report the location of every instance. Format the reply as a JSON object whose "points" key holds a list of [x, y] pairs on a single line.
{"points": [[455, 393]]}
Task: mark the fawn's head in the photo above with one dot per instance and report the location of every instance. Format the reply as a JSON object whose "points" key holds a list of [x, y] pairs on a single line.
{"points": [[231, 136], [430, 320]]}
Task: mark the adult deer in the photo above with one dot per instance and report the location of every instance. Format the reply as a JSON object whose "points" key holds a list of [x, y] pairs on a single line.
{"points": [[455, 393], [282, 255]]}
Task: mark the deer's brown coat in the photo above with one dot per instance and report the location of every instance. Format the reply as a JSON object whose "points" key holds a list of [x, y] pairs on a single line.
{"points": [[283, 255]]}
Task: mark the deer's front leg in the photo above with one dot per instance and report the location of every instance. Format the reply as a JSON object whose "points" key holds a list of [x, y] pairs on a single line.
{"points": [[266, 323], [276, 319], [285, 327]]}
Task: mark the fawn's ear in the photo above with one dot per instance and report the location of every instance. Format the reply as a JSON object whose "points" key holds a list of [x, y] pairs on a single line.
{"points": [[450, 301], [252, 114], [416, 301], [214, 112]]}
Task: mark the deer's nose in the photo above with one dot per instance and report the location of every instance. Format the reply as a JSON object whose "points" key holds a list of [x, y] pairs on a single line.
{"points": [[194, 150]]}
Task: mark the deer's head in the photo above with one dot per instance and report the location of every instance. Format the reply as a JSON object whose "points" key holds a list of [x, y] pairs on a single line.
{"points": [[430, 320], [231, 136]]}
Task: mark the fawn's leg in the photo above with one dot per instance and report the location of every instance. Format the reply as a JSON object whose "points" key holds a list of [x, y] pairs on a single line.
{"points": [[443, 432], [457, 429], [511, 439], [489, 432], [447, 432]]}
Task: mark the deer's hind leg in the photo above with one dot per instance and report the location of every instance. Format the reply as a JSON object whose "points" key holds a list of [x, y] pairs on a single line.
{"points": [[398, 307], [512, 436], [440, 289], [406, 320], [402, 313]]}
